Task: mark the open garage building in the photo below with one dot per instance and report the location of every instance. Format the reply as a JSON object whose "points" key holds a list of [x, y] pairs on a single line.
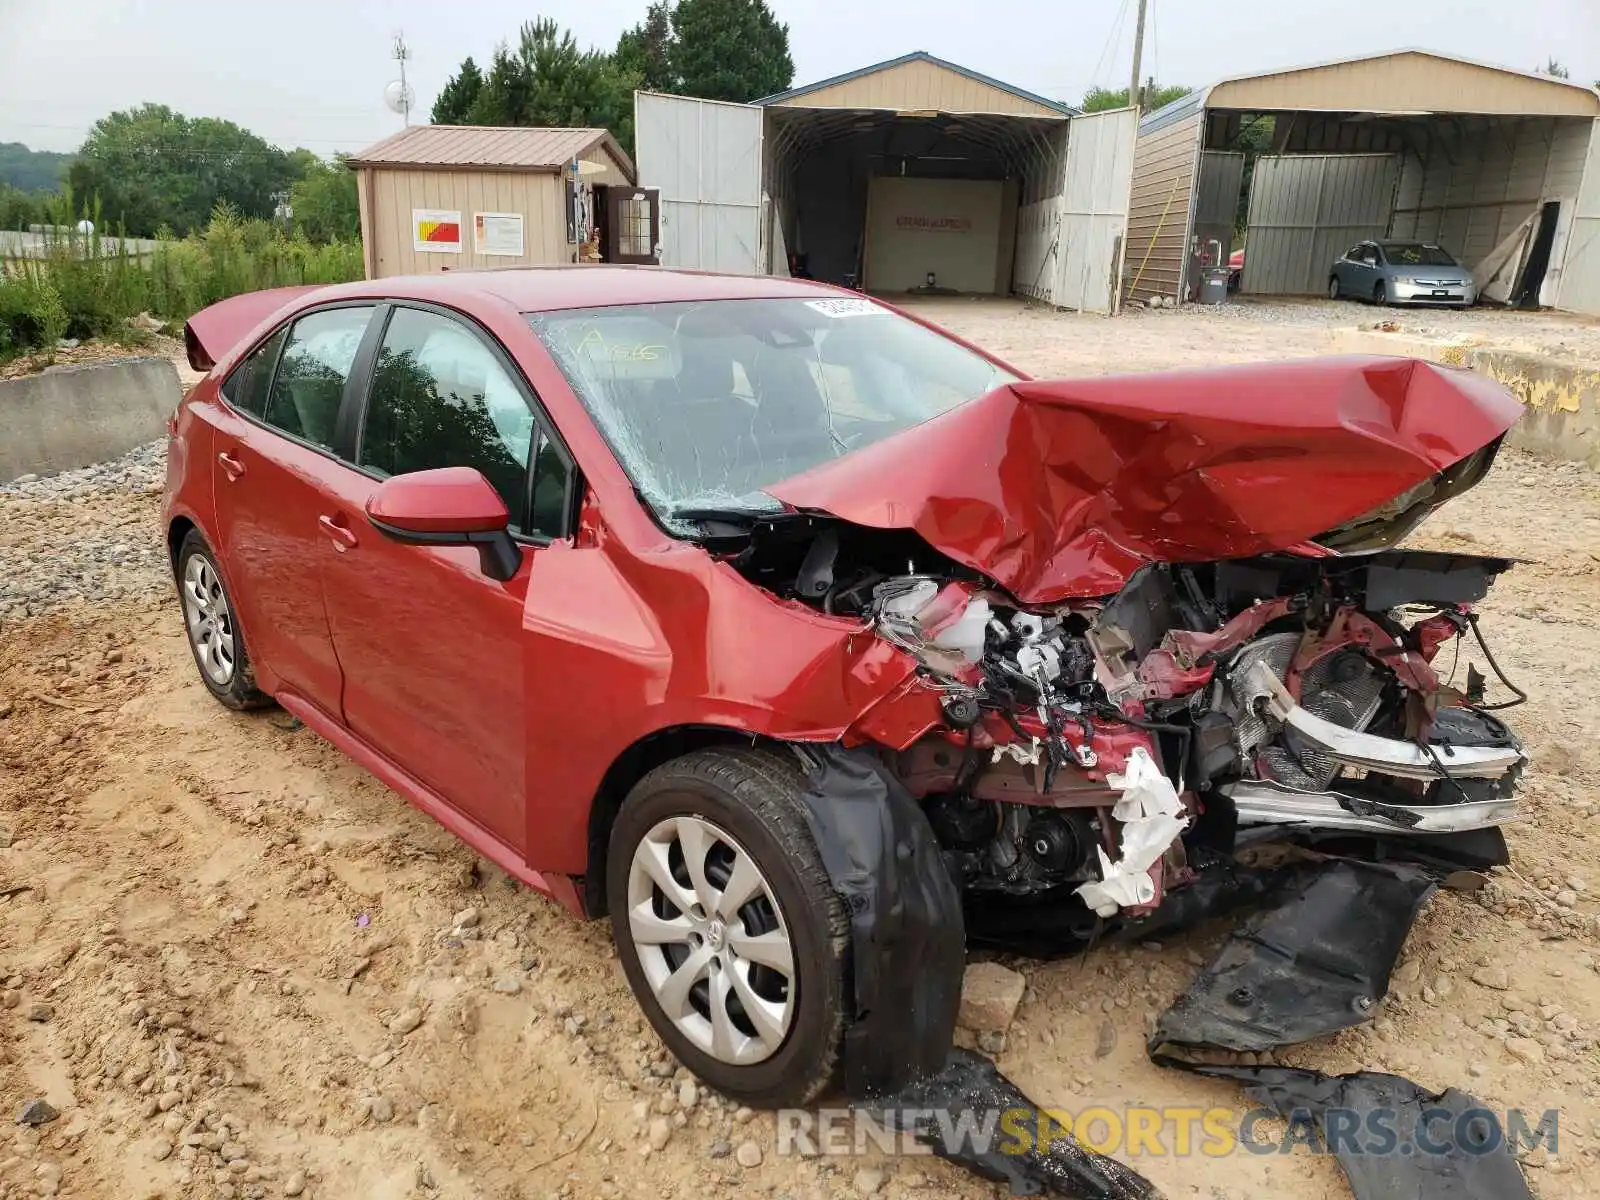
{"points": [[1498, 167], [910, 176]]}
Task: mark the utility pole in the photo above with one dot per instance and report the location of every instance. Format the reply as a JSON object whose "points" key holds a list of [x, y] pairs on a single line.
{"points": [[1138, 54]]}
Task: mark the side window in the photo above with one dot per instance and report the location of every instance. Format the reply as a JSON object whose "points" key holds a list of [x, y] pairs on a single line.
{"points": [[246, 387], [1369, 255], [551, 484], [440, 398], [309, 384], [1354, 253]]}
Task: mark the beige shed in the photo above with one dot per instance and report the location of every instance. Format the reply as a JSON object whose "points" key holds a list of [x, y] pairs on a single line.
{"points": [[1499, 167], [437, 197]]}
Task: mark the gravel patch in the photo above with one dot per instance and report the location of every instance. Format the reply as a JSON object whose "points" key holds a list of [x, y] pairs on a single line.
{"points": [[83, 536]]}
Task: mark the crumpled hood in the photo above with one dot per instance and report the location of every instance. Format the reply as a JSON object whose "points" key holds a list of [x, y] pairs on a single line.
{"points": [[1058, 489]]}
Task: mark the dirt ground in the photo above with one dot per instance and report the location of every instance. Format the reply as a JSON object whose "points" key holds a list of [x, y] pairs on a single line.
{"points": [[238, 966]]}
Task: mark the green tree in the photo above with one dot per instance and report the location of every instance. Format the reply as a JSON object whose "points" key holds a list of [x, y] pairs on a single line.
{"points": [[646, 50], [1255, 139], [548, 80], [1555, 70], [302, 162], [1099, 99], [150, 167], [324, 202], [19, 209], [729, 50], [31, 170], [455, 103]]}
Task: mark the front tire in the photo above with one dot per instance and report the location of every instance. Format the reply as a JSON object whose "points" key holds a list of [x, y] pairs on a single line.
{"points": [[730, 931], [1380, 294], [215, 639]]}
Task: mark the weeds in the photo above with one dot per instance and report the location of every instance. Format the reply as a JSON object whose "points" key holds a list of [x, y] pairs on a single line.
{"points": [[86, 285]]}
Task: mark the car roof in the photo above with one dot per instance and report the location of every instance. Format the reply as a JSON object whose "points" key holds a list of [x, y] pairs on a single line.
{"points": [[545, 289]]}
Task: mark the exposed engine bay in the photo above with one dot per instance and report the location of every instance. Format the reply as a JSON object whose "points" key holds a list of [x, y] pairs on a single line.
{"points": [[1093, 745]]}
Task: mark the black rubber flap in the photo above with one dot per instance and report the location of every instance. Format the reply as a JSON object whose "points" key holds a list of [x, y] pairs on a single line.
{"points": [[1313, 965], [1446, 1145], [971, 1092], [907, 938]]}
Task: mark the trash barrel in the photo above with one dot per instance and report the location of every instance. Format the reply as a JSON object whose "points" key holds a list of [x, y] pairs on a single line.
{"points": [[1214, 285]]}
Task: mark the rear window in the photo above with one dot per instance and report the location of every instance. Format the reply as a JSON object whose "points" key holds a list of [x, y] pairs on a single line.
{"points": [[246, 386]]}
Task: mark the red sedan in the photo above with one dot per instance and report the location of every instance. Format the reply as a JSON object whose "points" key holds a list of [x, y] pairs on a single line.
{"points": [[803, 638]]}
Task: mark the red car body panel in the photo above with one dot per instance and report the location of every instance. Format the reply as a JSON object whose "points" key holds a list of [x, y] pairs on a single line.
{"points": [[499, 708], [599, 642], [1063, 489]]}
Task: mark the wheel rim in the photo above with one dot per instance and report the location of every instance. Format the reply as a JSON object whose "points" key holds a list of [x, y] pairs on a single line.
{"points": [[712, 940], [209, 620], [1333, 289]]}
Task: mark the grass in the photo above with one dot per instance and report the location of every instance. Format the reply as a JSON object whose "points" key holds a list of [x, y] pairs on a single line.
{"points": [[86, 286]]}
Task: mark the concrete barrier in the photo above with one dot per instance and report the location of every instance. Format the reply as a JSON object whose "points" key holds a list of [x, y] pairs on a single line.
{"points": [[72, 416], [1563, 396]]}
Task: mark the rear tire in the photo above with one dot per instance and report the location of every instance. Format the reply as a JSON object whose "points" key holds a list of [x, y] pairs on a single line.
{"points": [[215, 639], [699, 969], [1333, 288]]}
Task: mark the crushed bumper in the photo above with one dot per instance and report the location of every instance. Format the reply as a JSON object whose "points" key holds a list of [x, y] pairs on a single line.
{"points": [[1387, 756]]}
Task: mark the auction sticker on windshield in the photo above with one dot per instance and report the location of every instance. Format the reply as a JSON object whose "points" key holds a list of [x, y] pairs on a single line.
{"points": [[845, 307]]}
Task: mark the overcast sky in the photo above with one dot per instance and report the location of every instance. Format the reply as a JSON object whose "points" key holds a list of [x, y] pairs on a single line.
{"points": [[312, 72]]}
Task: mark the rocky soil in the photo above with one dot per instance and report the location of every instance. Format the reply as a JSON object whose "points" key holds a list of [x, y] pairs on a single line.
{"points": [[233, 965]]}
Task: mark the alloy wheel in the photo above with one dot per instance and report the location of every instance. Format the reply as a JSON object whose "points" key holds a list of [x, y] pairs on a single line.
{"points": [[712, 940], [209, 620]]}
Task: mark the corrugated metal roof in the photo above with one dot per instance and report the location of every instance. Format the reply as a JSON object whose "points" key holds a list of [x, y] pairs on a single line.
{"points": [[1175, 110], [920, 56], [488, 148]]}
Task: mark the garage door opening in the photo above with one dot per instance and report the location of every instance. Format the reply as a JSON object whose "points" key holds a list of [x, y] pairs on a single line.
{"points": [[1406, 146], [1466, 183], [907, 202]]}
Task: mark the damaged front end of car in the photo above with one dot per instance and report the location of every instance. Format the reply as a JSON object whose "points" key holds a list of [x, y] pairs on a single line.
{"points": [[1264, 668]]}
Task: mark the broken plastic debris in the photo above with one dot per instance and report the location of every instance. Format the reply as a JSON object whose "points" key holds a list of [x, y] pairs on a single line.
{"points": [[1152, 817], [1316, 962], [1028, 756], [363, 921], [940, 1112]]}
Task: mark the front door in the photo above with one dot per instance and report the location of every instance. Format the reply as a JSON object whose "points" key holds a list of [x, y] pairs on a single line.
{"points": [[432, 648], [269, 471], [631, 221]]}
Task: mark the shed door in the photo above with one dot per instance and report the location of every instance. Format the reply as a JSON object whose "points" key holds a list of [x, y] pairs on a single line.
{"points": [[1094, 210], [1308, 209], [1580, 278], [705, 156]]}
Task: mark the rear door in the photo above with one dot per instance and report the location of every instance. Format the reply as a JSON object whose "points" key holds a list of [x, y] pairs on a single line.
{"points": [[431, 647], [274, 463], [705, 156], [1094, 209]]}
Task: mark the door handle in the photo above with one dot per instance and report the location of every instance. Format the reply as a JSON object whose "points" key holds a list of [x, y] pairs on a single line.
{"points": [[343, 537], [231, 466]]}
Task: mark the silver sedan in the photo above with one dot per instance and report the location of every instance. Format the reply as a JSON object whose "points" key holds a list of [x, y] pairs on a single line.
{"points": [[1397, 272]]}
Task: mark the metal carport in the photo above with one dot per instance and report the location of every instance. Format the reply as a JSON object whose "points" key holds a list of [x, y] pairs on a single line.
{"points": [[1406, 144], [901, 176]]}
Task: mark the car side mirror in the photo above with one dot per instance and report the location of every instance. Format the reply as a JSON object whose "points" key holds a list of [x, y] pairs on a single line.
{"points": [[448, 506]]}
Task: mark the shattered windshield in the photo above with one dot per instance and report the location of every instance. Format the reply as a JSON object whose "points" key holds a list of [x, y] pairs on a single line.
{"points": [[706, 403]]}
